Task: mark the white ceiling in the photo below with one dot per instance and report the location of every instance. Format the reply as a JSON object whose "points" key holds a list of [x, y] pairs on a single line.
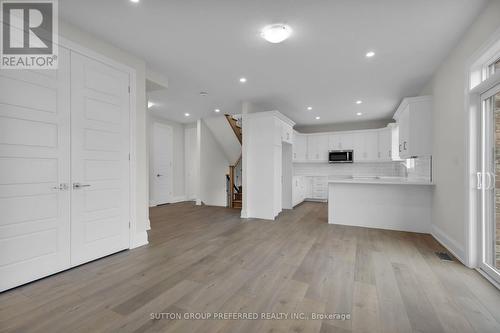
{"points": [[208, 45]]}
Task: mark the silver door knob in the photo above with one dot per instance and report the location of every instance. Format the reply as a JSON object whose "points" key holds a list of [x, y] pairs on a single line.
{"points": [[158, 175], [78, 185]]}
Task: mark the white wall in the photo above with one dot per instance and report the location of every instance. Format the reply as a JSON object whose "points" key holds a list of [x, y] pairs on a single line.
{"points": [[178, 159], [448, 87], [191, 160], [93, 43], [213, 167]]}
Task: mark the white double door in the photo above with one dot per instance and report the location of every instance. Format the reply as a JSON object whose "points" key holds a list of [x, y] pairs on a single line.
{"points": [[488, 184], [64, 167]]}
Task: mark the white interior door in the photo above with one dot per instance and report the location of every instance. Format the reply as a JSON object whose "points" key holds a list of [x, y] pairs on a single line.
{"points": [[162, 163], [487, 184], [190, 153], [34, 173], [99, 159]]}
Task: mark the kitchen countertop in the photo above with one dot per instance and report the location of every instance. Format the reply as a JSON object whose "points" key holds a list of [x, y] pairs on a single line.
{"points": [[378, 180]]}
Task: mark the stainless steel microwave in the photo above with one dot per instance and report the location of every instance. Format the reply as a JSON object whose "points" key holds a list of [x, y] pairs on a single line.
{"points": [[340, 156]]}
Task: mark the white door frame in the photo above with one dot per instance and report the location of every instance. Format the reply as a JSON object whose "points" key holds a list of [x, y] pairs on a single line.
{"points": [[154, 123], [135, 239], [474, 88]]}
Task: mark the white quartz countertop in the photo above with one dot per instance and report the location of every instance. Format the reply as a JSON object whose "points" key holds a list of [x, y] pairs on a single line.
{"points": [[379, 181]]}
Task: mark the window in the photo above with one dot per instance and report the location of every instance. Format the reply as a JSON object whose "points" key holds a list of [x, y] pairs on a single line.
{"points": [[491, 68]]}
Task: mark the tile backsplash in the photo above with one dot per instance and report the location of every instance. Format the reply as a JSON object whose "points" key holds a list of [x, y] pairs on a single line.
{"points": [[415, 169]]}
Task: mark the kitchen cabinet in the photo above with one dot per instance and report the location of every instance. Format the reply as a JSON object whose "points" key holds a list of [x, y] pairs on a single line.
{"points": [[384, 144], [299, 147], [286, 133], [298, 190], [414, 119], [319, 188], [317, 148], [334, 142]]}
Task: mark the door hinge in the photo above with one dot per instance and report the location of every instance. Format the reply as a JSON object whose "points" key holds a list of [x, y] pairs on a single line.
{"points": [[129, 224], [129, 89], [129, 156]]}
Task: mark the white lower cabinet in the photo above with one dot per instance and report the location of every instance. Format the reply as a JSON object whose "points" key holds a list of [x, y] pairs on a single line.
{"points": [[309, 187]]}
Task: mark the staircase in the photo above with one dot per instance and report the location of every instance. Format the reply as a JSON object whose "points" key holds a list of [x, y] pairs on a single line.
{"points": [[235, 191]]}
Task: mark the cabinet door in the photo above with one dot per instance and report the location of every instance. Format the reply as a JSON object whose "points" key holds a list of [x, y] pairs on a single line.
{"points": [[287, 133], [322, 147], [370, 146], [404, 133], [334, 142], [347, 141], [358, 146], [385, 145], [299, 148]]}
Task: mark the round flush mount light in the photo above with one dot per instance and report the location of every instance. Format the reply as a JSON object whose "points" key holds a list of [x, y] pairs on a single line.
{"points": [[276, 33], [359, 114], [134, 1], [359, 102], [243, 79], [186, 114], [217, 110], [309, 108], [370, 54], [318, 118]]}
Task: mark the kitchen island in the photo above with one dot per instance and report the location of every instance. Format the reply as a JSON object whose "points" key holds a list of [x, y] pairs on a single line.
{"points": [[381, 202]]}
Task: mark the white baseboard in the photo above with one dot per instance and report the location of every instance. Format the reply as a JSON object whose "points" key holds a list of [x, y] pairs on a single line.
{"points": [[449, 243], [139, 239], [179, 199], [148, 225]]}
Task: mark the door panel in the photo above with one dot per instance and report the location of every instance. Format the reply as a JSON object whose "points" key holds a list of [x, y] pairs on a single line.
{"points": [[34, 163], [162, 163], [489, 187], [99, 159]]}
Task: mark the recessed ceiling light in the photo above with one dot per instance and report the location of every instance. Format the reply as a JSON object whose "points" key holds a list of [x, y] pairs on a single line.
{"points": [[150, 104], [276, 33], [243, 79], [359, 102], [318, 118], [217, 110], [359, 114], [370, 54], [134, 1], [186, 114], [309, 108]]}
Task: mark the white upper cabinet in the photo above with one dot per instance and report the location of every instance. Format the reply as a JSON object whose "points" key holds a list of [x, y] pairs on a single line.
{"points": [[368, 145], [334, 142], [414, 118], [385, 144], [317, 148], [299, 147]]}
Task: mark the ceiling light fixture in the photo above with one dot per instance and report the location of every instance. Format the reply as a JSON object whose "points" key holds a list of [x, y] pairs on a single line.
{"points": [[359, 114], [134, 1], [150, 104], [370, 54], [186, 114], [359, 102], [217, 110], [243, 79], [318, 118], [276, 33], [309, 108], [203, 93]]}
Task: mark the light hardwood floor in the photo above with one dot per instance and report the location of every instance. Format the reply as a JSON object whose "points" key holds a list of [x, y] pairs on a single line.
{"points": [[205, 259]]}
